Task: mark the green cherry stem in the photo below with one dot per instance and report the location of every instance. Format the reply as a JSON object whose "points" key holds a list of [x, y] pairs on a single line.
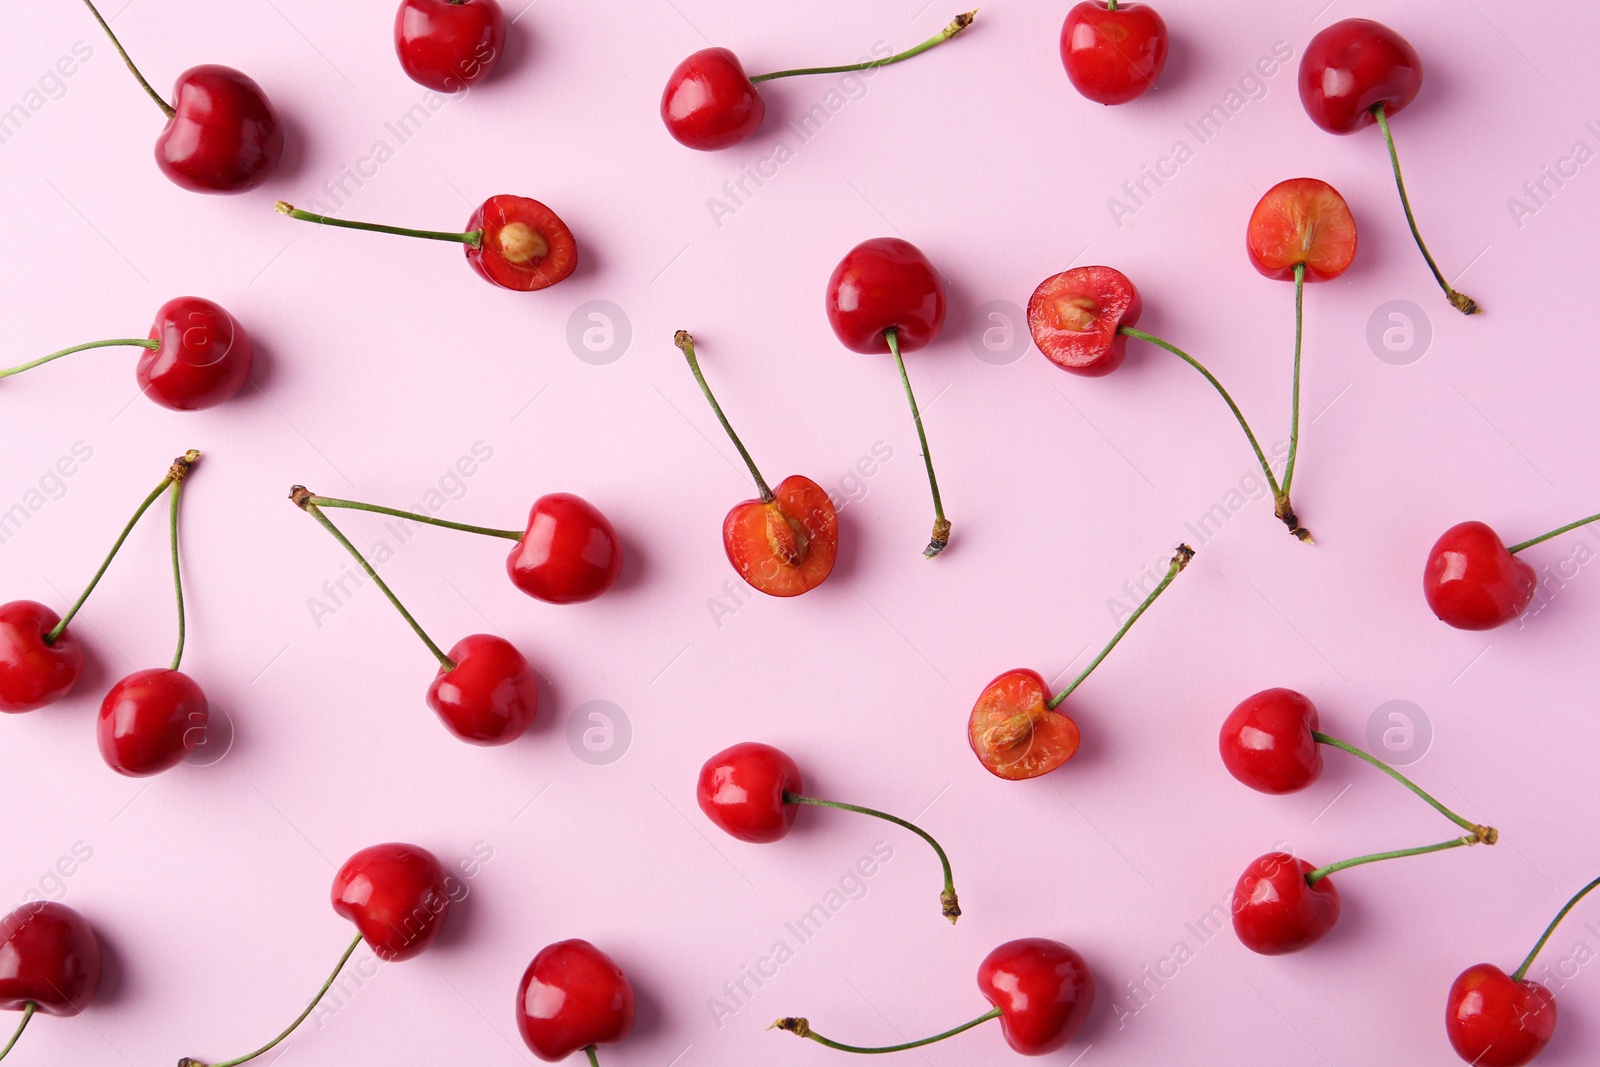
{"points": [[166, 108], [120, 342], [379, 509], [1487, 834], [1458, 300], [1522, 971], [947, 899], [275, 1042], [27, 1016], [957, 24], [176, 493], [471, 237], [941, 525], [1180, 560], [306, 501], [1557, 532], [594, 1057], [1455, 842], [176, 473], [685, 344], [1294, 403], [802, 1028]]}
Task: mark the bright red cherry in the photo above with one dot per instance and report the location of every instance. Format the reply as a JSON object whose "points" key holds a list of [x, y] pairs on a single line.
{"points": [[744, 790], [49, 963], [1076, 316], [573, 997], [1113, 52], [150, 721], [449, 45], [1473, 582], [1352, 67], [35, 672], [1044, 992], [710, 103], [397, 895], [1277, 911], [490, 696], [1267, 742], [1302, 221], [222, 136], [570, 552], [1494, 1020]]}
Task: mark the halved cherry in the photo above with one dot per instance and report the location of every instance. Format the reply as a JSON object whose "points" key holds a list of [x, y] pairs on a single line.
{"points": [[1014, 733], [525, 246], [1302, 221], [1075, 318]]}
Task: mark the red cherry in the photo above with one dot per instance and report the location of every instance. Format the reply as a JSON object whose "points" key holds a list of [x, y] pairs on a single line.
{"points": [[397, 895], [743, 788], [49, 958], [34, 674], [1267, 743], [710, 103], [449, 45], [1074, 316], [491, 695], [885, 284], [223, 137], [1276, 912], [525, 246], [149, 722], [1302, 220], [1352, 67], [787, 545], [1494, 1020], [1113, 54], [570, 552], [1044, 992], [573, 997], [204, 358], [1473, 582], [1012, 731]]}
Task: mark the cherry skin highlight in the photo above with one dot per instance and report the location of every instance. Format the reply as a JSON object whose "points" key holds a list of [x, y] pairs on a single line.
{"points": [[150, 721], [742, 791], [1302, 221], [225, 136], [1012, 731], [34, 674], [1113, 56], [525, 246], [710, 103], [204, 359], [573, 997], [787, 545], [1044, 992], [1267, 742], [1353, 66], [49, 957], [885, 284], [397, 895], [1276, 912], [492, 695], [1075, 316], [1473, 582], [570, 552], [449, 45], [1494, 1020]]}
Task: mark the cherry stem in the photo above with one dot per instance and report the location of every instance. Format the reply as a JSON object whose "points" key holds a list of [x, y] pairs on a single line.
{"points": [[177, 472], [941, 525], [356, 505], [471, 237], [1522, 971], [1180, 560], [1455, 842], [270, 1045], [177, 569], [306, 502], [686, 344], [1487, 834], [27, 1016], [1557, 532], [1458, 300], [802, 1028], [957, 24], [166, 108], [594, 1057], [119, 342], [952, 908], [1294, 403]]}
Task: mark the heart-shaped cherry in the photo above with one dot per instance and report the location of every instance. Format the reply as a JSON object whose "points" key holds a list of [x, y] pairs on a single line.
{"points": [[49, 964], [782, 543], [710, 103], [1269, 742], [752, 791], [36, 670], [1016, 731], [1113, 52], [511, 241], [150, 721], [885, 296], [569, 552], [449, 45], [572, 996], [1473, 581], [1278, 910], [1301, 229]]}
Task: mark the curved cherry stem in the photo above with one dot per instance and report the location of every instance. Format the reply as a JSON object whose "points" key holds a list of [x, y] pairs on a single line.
{"points": [[957, 24], [685, 344], [1458, 300], [951, 906], [1455, 842], [1294, 404], [166, 108], [177, 568], [275, 1042], [305, 501], [1487, 834], [120, 342], [802, 1028], [1180, 560], [1557, 532], [178, 470], [27, 1016], [471, 237], [379, 509], [1522, 971], [594, 1057], [941, 525]]}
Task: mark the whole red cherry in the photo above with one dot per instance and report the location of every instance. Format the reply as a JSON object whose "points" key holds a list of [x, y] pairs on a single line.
{"points": [[1276, 911], [449, 45], [569, 552], [573, 997], [204, 358], [1044, 992], [33, 673], [150, 721], [743, 790], [1301, 221], [885, 284], [491, 696], [1113, 52], [1075, 317], [1473, 582], [1267, 742], [49, 958], [1494, 1020], [710, 103], [223, 135], [397, 895], [1352, 67]]}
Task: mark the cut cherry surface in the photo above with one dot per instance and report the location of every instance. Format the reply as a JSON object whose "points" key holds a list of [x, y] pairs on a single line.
{"points": [[1495, 1020], [1352, 67], [573, 997], [1113, 52], [742, 790], [35, 670], [524, 246], [50, 964], [490, 696], [1276, 911], [1473, 582], [1302, 221], [569, 553], [710, 103], [1076, 316], [1268, 742], [449, 45], [150, 721], [1043, 990], [397, 895]]}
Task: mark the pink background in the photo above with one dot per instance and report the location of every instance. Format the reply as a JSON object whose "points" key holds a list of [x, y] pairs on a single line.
{"points": [[383, 361]]}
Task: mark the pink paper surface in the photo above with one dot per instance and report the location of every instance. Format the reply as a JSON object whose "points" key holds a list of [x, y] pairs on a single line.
{"points": [[383, 362]]}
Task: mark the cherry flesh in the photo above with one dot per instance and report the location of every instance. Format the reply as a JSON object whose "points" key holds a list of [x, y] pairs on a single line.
{"points": [[1113, 52], [150, 721], [570, 552], [34, 672], [490, 696], [1302, 222], [1013, 731], [1473, 582], [1267, 742], [224, 136], [1276, 911], [1352, 67], [525, 246], [1044, 992], [573, 997], [743, 790], [50, 963], [710, 103], [1076, 317], [397, 895], [1494, 1020], [787, 545], [449, 45]]}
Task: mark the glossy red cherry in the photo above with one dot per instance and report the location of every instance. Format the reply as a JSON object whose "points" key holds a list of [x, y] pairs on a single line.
{"points": [[204, 358], [1013, 732], [1276, 912], [150, 721], [573, 997], [1267, 742], [224, 136], [397, 895], [1075, 317], [449, 45], [710, 103], [491, 695], [1473, 582], [1044, 992], [1113, 54], [525, 246], [885, 284], [787, 545], [33, 673], [49, 958], [570, 552], [1353, 66], [1494, 1020], [1302, 221], [742, 790]]}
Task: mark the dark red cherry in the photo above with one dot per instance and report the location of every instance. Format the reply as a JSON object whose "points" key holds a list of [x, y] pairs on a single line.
{"points": [[569, 552], [492, 695], [1266, 742], [1074, 317], [525, 246], [1044, 992], [397, 895], [1473, 582], [449, 45], [149, 722], [204, 358], [573, 997], [885, 284], [1113, 54], [34, 674], [1353, 66], [48, 957], [224, 137], [1276, 912], [1494, 1020], [710, 103], [742, 790]]}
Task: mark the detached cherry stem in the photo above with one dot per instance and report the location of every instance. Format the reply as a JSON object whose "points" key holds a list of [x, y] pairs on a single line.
{"points": [[686, 344], [166, 108], [1487, 834], [270, 1045], [941, 525], [1455, 842], [1557, 532], [306, 501], [1522, 971], [120, 342], [471, 237], [947, 899], [1458, 300], [27, 1016], [957, 24], [802, 1028], [379, 509], [1180, 560]]}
